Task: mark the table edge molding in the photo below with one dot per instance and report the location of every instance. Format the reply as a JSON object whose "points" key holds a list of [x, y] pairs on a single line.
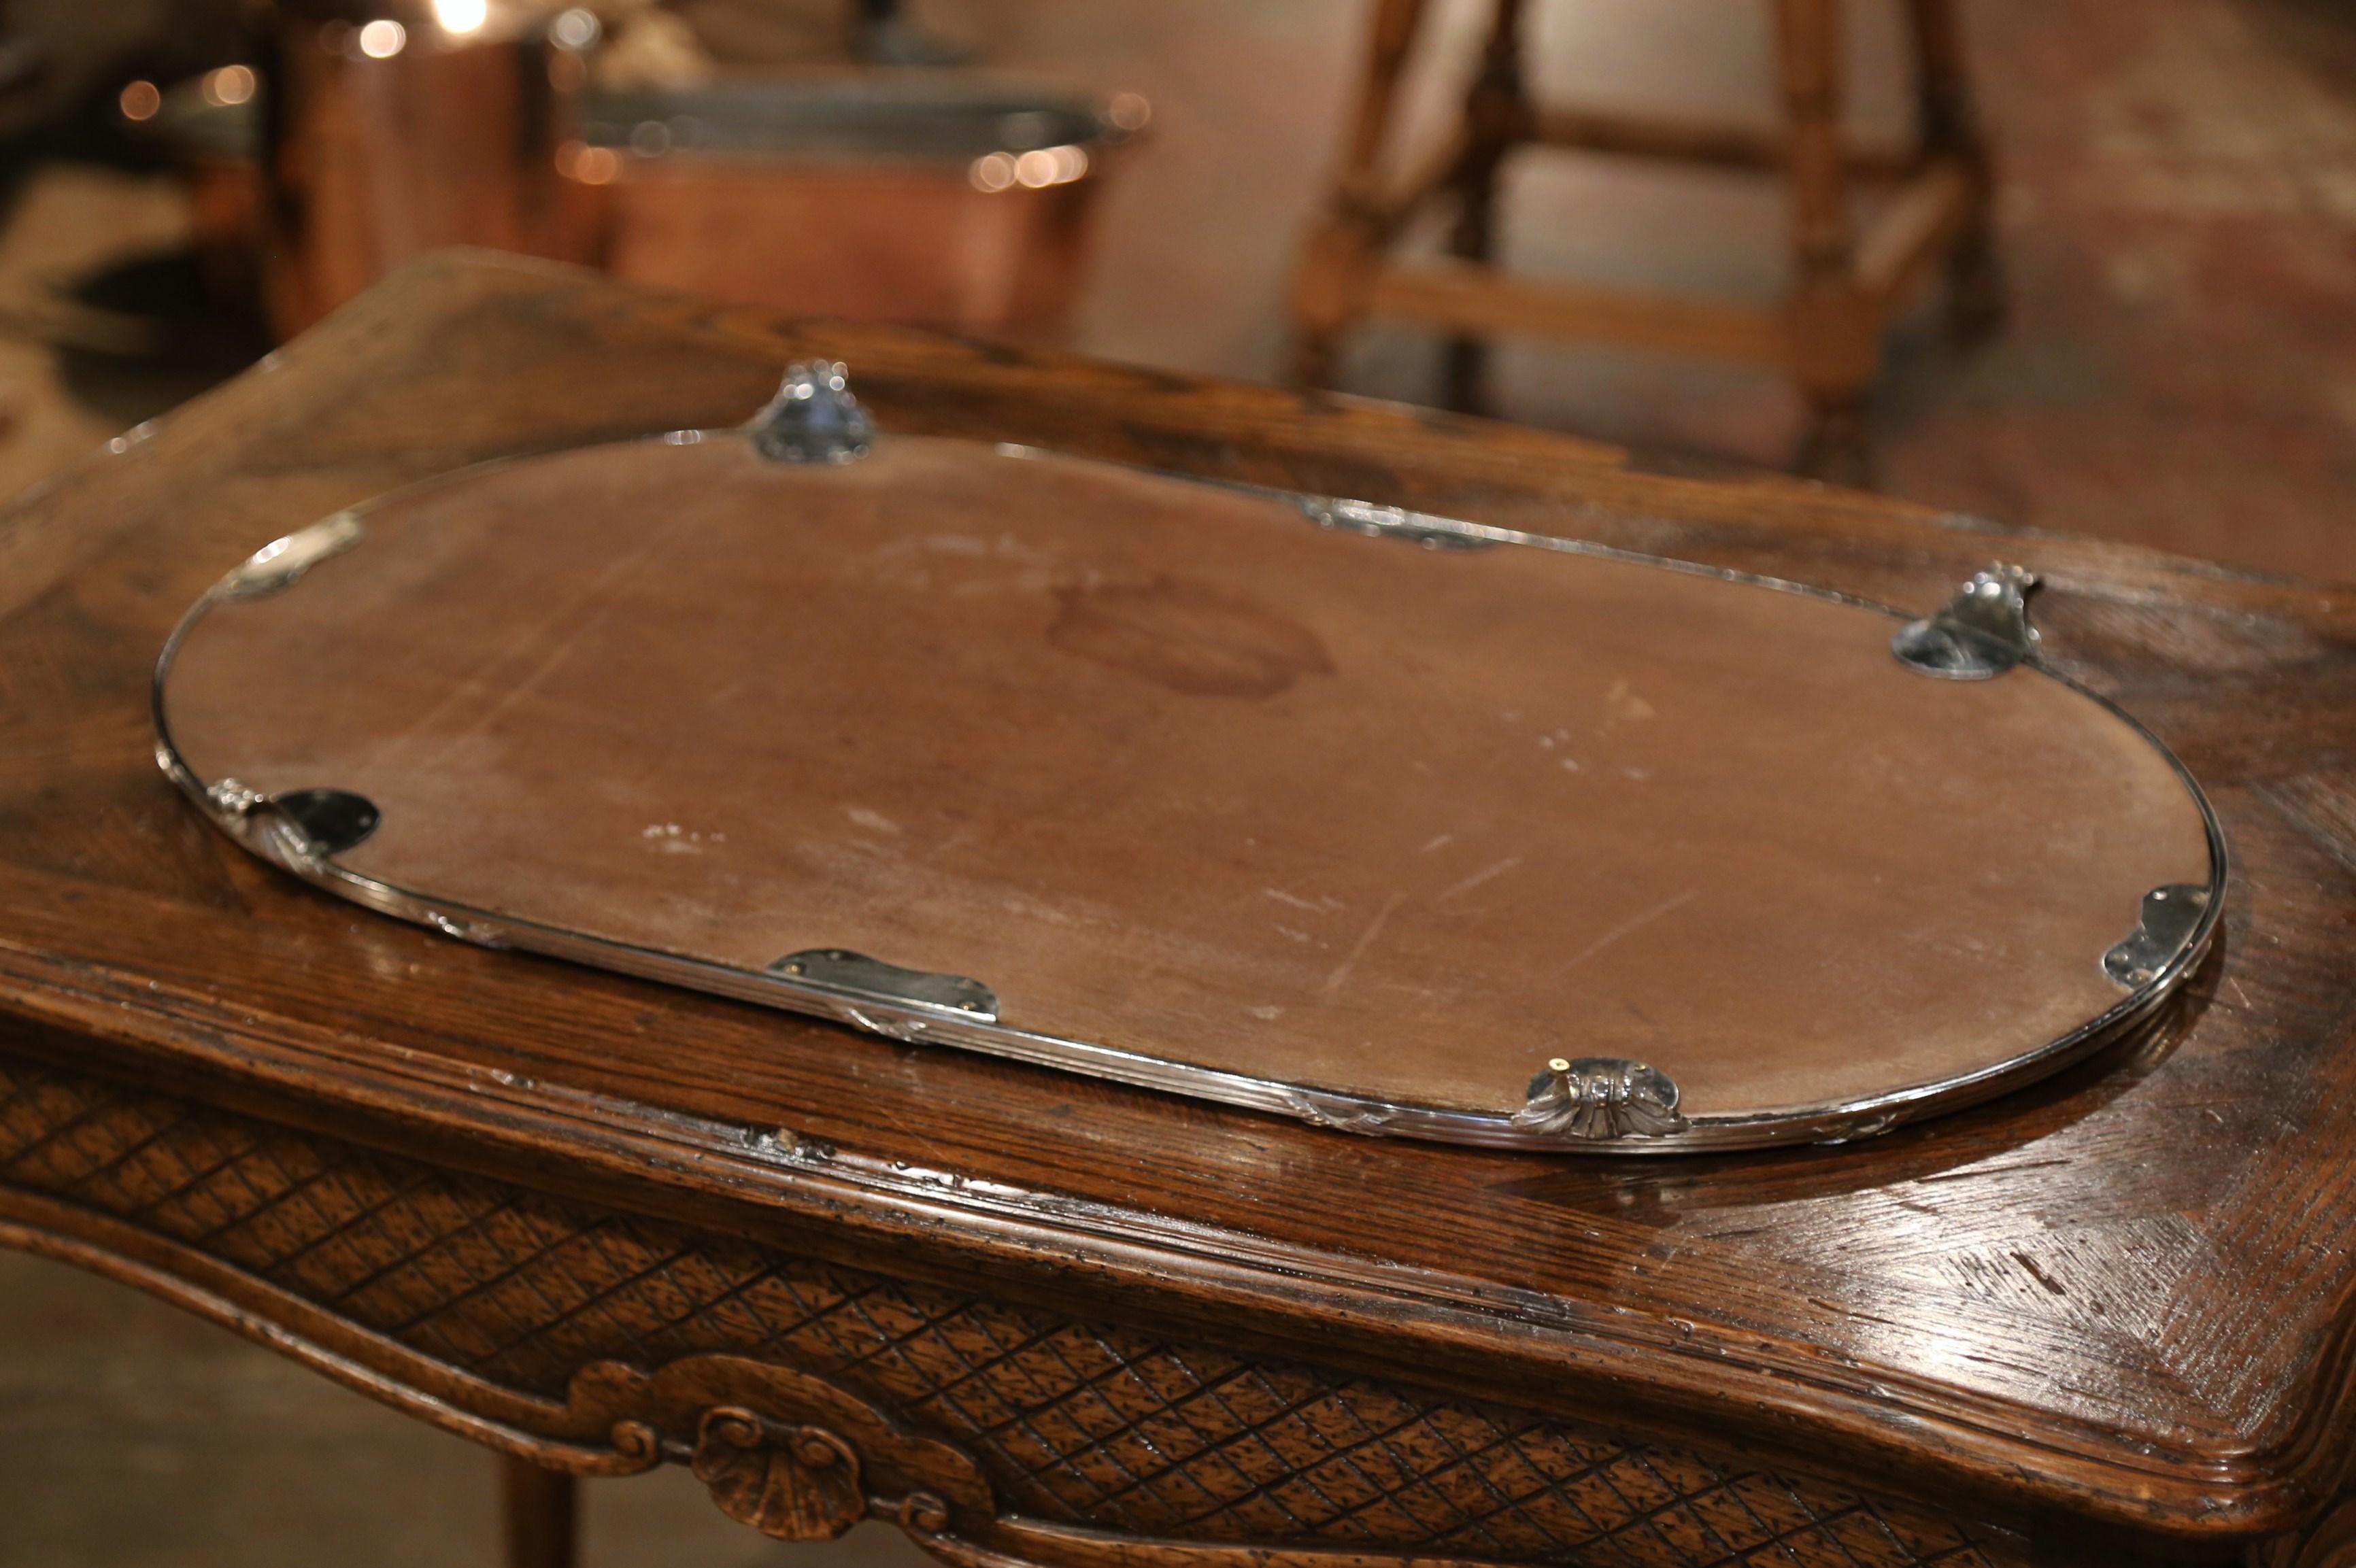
{"points": [[773, 1189]]}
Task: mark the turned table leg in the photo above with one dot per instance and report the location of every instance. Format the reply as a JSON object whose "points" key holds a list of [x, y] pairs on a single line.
{"points": [[538, 1510]]}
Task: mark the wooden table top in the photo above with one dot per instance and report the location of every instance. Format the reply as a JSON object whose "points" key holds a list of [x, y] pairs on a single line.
{"points": [[2122, 1297]]}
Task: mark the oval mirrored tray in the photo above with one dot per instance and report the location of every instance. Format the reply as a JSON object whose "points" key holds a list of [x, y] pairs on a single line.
{"points": [[1393, 823]]}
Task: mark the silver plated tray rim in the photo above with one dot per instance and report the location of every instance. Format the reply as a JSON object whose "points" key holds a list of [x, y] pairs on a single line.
{"points": [[273, 839]]}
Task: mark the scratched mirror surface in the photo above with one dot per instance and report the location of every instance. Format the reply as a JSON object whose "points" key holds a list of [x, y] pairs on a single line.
{"points": [[1394, 824]]}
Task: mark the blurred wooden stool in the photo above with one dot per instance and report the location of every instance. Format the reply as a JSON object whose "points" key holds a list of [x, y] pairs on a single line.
{"points": [[1827, 333]]}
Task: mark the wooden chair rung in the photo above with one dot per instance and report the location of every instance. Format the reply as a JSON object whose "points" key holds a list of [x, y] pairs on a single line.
{"points": [[1463, 297], [1738, 147]]}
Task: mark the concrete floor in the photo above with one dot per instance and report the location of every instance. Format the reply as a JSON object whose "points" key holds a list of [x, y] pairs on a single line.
{"points": [[2180, 220]]}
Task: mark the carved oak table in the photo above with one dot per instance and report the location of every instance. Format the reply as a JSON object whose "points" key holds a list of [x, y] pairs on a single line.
{"points": [[599, 1225]]}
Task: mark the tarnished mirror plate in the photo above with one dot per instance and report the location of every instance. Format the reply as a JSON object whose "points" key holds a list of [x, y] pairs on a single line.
{"points": [[1525, 843]]}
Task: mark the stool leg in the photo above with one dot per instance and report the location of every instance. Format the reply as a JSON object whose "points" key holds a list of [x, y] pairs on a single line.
{"points": [[1834, 327], [1950, 125], [540, 1513], [1496, 112], [1329, 284]]}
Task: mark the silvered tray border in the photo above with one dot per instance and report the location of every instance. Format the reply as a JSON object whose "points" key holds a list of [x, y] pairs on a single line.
{"points": [[273, 835]]}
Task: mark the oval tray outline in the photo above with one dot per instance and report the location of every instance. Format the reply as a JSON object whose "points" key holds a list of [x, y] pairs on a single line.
{"points": [[252, 823]]}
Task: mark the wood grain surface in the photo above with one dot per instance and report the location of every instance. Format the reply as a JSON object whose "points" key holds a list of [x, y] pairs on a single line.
{"points": [[2112, 1312]]}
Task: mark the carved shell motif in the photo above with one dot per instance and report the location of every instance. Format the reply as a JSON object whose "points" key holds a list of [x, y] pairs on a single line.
{"points": [[798, 1483], [1598, 1098]]}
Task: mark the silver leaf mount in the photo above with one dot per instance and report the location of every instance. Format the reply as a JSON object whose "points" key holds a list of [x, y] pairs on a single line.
{"points": [[279, 563], [2171, 915], [1597, 1099], [854, 975], [1982, 632], [814, 417], [303, 824], [1391, 522]]}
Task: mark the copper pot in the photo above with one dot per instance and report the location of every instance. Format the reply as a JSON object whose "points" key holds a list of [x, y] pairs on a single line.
{"points": [[939, 200], [393, 134]]}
